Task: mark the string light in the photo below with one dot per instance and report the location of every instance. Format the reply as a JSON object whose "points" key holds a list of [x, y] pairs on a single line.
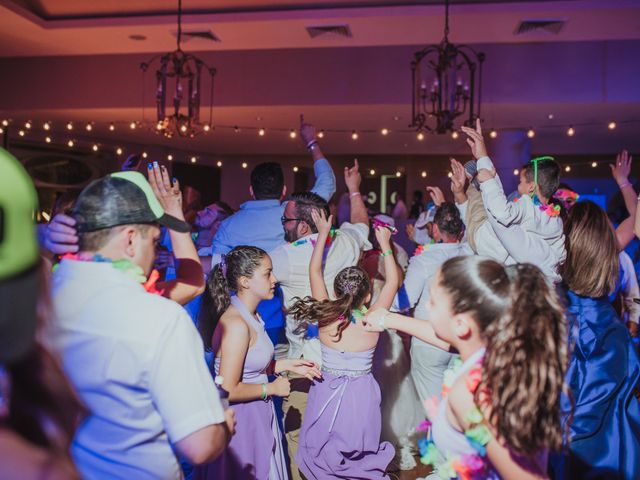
{"points": [[27, 124], [144, 155], [384, 131], [455, 135], [70, 143], [321, 134], [423, 174], [183, 128], [354, 135], [516, 172], [5, 123], [132, 125], [89, 127], [571, 131], [420, 136], [295, 169], [170, 157], [531, 133], [612, 125], [95, 147], [112, 127], [21, 133], [244, 165], [1, 130], [47, 139], [69, 126], [449, 174], [292, 133], [261, 132], [206, 127], [118, 151], [567, 168], [594, 164], [193, 159], [493, 133], [219, 164], [372, 172], [398, 174], [159, 126], [46, 126]]}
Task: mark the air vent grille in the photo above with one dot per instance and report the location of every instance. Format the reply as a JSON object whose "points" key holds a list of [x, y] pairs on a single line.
{"points": [[549, 26], [339, 30], [203, 34]]}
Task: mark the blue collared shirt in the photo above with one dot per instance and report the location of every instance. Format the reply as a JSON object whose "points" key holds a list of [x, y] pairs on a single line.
{"points": [[258, 224]]}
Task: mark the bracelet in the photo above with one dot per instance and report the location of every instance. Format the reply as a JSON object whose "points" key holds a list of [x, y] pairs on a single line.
{"points": [[311, 144], [387, 253], [354, 194], [264, 392], [625, 184]]}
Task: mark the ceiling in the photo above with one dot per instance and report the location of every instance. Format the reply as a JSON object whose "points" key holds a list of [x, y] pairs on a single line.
{"points": [[76, 60]]}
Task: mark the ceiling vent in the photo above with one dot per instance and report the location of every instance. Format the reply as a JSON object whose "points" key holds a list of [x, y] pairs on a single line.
{"points": [[339, 30], [549, 26], [202, 34]]}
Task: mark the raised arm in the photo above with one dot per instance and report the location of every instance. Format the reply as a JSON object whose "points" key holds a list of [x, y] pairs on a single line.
{"points": [[353, 179], [189, 281], [323, 224], [391, 274], [325, 184], [620, 171]]}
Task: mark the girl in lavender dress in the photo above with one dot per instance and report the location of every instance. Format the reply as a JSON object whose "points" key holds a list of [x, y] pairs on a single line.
{"points": [[340, 434], [244, 358]]}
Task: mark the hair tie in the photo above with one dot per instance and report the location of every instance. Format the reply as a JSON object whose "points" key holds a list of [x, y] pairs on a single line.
{"points": [[223, 265]]}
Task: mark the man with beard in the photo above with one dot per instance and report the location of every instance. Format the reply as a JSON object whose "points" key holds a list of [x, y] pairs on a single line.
{"points": [[291, 269]]}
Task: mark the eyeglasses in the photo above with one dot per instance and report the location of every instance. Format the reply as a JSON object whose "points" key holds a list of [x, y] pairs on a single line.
{"points": [[284, 219]]}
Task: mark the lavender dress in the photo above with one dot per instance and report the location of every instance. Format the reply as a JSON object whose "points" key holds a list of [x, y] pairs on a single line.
{"points": [[255, 451], [340, 435]]}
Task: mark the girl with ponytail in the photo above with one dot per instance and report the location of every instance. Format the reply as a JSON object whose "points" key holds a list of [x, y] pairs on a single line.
{"points": [[231, 328], [340, 434], [500, 413]]}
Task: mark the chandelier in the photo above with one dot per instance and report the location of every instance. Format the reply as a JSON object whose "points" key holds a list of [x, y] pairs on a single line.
{"points": [[447, 83], [184, 71]]}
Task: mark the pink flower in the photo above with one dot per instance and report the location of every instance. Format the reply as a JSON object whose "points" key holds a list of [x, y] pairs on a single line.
{"points": [[474, 378]]}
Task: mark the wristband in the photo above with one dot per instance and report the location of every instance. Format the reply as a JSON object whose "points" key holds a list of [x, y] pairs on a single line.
{"points": [[354, 194], [625, 184], [311, 144], [264, 392], [387, 253]]}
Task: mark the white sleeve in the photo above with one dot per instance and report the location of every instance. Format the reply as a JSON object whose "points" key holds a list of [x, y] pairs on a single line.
{"points": [[462, 208], [180, 382], [497, 205], [520, 245], [359, 232], [414, 283], [629, 289], [281, 266]]}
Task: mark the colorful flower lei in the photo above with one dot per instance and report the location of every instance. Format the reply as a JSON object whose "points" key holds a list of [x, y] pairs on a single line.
{"points": [[130, 269], [550, 209], [332, 234], [356, 314], [421, 248], [465, 467]]}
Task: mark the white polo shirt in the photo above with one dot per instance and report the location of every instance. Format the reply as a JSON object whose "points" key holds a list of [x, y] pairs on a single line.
{"points": [[291, 269], [137, 362]]}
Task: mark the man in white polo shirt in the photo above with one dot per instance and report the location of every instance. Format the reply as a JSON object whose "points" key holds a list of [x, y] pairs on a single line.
{"points": [[134, 357], [291, 269]]}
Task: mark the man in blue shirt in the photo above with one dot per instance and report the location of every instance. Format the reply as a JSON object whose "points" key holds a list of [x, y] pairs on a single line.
{"points": [[258, 222]]}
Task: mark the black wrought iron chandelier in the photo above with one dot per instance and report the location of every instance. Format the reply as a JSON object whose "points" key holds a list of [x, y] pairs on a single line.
{"points": [[184, 70], [447, 84]]}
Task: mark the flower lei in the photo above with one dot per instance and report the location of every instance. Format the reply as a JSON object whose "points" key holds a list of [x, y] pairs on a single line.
{"points": [[422, 248], [356, 314], [332, 234], [465, 467], [550, 209], [123, 265]]}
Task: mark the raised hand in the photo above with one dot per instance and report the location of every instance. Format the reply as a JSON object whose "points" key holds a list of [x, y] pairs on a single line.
{"points": [[168, 193], [352, 177], [307, 131], [458, 177], [61, 235], [383, 235], [323, 224], [622, 168], [475, 140], [436, 195]]}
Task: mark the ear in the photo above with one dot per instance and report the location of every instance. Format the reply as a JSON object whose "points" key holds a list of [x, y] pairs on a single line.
{"points": [[461, 326], [303, 229], [130, 238], [243, 282], [284, 192], [251, 192]]}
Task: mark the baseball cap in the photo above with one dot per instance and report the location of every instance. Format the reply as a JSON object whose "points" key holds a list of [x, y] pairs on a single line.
{"points": [[19, 258], [425, 217], [121, 198]]}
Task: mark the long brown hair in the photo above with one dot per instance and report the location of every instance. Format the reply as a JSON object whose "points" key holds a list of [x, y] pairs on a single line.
{"points": [[523, 323], [223, 280], [351, 286], [592, 265]]}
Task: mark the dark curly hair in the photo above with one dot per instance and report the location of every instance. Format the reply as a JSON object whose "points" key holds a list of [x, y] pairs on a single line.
{"points": [[448, 219], [521, 318], [351, 285], [242, 261], [305, 203]]}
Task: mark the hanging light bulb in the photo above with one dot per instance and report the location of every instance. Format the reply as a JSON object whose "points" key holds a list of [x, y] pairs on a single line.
{"points": [[354, 135], [449, 174], [21, 133], [612, 125], [206, 127], [219, 164], [372, 172], [594, 164], [423, 174], [571, 131], [420, 136], [244, 165], [47, 139], [295, 169], [46, 126], [1, 130], [531, 133], [132, 125], [516, 172], [321, 134], [95, 147], [89, 127], [567, 168], [384, 131], [118, 151], [455, 135], [112, 127], [27, 124], [261, 132], [493, 133], [292, 134], [69, 126], [170, 157], [398, 174], [70, 143], [5, 123], [193, 159]]}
